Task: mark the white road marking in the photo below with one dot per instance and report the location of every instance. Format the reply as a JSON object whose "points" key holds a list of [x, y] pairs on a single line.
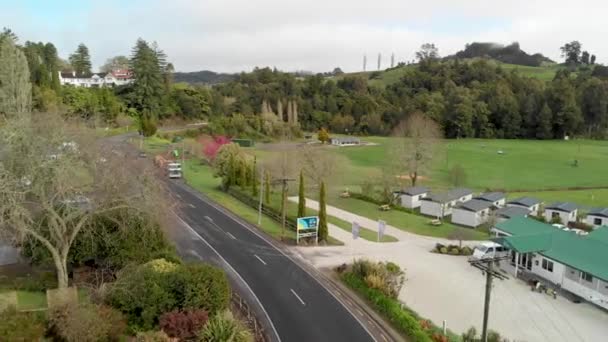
{"points": [[178, 196], [295, 294], [232, 236], [191, 205], [209, 219], [262, 261]]}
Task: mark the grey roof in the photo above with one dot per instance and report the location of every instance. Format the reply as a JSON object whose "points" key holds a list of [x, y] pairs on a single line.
{"points": [[449, 196], [474, 205], [599, 212], [509, 212], [346, 139], [491, 196], [562, 206], [71, 75], [525, 201], [415, 190]]}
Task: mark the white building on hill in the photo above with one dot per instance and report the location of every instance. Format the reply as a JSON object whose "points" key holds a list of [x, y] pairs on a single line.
{"points": [[99, 79]]}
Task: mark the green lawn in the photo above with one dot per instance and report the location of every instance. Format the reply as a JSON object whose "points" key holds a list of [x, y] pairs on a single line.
{"points": [[588, 198], [31, 300]]}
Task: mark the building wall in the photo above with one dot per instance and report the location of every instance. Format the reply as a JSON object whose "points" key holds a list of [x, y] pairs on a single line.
{"points": [[565, 217], [408, 201], [594, 291], [500, 203], [558, 269], [431, 208], [469, 218], [591, 218]]}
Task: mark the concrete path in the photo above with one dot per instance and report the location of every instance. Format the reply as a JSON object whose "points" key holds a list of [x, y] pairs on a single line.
{"points": [[443, 287]]}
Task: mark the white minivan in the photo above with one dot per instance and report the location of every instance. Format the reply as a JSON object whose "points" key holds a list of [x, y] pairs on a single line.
{"points": [[489, 250], [174, 170]]}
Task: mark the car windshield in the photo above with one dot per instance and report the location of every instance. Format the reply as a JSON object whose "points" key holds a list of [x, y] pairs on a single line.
{"points": [[482, 249]]}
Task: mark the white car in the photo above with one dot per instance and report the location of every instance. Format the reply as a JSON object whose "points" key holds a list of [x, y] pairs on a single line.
{"points": [[489, 250], [174, 170]]}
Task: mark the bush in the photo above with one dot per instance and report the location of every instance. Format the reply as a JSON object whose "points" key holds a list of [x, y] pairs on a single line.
{"points": [[205, 287], [87, 322], [21, 326], [466, 251], [388, 278], [183, 325], [454, 251], [152, 336], [443, 250], [223, 327]]}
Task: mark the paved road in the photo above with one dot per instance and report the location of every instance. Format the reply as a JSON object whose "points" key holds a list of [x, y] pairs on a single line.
{"points": [[300, 308]]}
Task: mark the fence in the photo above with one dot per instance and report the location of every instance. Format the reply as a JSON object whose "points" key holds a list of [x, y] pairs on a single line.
{"points": [[256, 328], [290, 222]]}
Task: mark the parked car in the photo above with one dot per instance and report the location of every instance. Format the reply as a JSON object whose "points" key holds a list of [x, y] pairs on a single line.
{"points": [[174, 170], [489, 250]]}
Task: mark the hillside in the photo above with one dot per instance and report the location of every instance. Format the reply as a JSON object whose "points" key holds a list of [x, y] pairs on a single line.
{"points": [[510, 54], [203, 77]]}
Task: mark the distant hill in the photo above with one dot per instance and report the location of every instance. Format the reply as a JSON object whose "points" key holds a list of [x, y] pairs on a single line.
{"points": [[511, 54], [203, 77]]}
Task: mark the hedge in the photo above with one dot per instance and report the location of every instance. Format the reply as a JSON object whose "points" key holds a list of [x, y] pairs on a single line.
{"points": [[404, 319]]}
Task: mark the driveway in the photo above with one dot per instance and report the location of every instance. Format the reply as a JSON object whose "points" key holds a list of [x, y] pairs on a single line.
{"points": [[442, 287]]}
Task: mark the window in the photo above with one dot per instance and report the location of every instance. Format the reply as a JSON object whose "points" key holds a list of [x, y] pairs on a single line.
{"points": [[554, 214], [587, 277], [597, 221], [547, 265]]}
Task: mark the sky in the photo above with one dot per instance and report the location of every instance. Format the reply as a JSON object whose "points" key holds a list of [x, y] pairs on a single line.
{"points": [[311, 35]]}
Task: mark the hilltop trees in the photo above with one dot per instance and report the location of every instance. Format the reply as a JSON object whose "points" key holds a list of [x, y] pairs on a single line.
{"points": [[81, 60], [15, 86], [114, 63]]}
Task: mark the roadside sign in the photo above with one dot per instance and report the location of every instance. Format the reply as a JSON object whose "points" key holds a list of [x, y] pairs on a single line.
{"points": [[307, 227], [381, 228], [355, 230]]}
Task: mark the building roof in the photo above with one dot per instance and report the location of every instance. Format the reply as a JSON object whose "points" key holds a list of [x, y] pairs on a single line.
{"points": [[415, 190], [600, 234], [510, 212], [599, 212], [525, 201], [584, 253], [520, 225], [449, 196], [346, 139], [71, 75], [491, 196], [474, 205], [562, 206]]}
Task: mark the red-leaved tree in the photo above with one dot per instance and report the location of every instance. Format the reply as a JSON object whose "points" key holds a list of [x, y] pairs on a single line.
{"points": [[212, 146], [183, 325]]}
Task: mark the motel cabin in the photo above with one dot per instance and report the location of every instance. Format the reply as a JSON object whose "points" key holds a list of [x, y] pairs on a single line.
{"points": [[472, 213], [530, 203], [565, 211], [440, 204], [597, 217], [412, 196]]}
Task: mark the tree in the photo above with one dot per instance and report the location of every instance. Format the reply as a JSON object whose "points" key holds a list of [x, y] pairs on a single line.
{"points": [[115, 63], [427, 53], [8, 33], [544, 130], [460, 234], [571, 52], [301, 197], [15, 86], [52, 185], [227, 164], [323, 231], [254, 177], [458, 176], [585, 58], [81, 60], [337, 71], [267, 188], [592, 59], [416, 141], [148, 85], [323, 135]]}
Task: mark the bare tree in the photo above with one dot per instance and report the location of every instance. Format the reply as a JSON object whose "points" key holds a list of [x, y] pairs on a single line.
{"points": [[319, 164], [55, 178], [416, 141]]}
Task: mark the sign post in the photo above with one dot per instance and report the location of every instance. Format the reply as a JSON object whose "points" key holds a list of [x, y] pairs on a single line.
{"points": [[307, 227], [381, 228], [355, 230]]}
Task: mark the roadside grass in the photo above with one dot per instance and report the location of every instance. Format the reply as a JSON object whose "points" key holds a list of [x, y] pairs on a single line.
{"points": [[31, 300]]}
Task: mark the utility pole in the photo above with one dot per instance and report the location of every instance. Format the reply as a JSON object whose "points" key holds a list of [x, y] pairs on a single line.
{"points": [[364, 63], [379, 60], [487, 267], [283, 182], [261, 196], [393, 60]]}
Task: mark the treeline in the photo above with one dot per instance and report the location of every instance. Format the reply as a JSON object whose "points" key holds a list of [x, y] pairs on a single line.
{"points": [[511, 53]]}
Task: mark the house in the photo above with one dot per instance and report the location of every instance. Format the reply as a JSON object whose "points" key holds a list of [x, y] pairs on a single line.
{"points": [[497, 199], [441, 204], [507, 212], [530, 203], [101, 79], [345, 141], [597, 217], [575, 263], [566, 212], [410, 197], [472, 213]]}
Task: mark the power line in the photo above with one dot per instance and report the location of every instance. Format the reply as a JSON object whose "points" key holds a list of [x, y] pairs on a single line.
{"points": [[487, 267]]}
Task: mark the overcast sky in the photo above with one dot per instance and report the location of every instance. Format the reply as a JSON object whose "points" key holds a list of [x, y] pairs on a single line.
{"points": [[314, 35]]}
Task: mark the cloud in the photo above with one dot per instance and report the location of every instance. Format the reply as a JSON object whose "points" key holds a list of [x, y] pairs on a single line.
{"points": [[316, 35]]}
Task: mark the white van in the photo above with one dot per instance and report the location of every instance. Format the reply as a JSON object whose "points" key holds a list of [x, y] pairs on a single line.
{"points": [[488, 250], [174, 170]]}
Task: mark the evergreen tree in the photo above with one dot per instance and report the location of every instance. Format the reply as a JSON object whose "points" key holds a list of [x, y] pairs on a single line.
{"points": [[243, 170], [301, 197], [544, 127], [51, 60], [267, 188], [254, 180], [81, 60], [15, 86], [148, 87], [323, 232]]}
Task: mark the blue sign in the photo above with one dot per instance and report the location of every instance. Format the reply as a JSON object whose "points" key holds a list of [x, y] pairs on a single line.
{"points": [[308, 223]]}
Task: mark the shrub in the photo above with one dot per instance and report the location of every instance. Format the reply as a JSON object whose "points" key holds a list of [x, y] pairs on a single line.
{"points": [[223, 327], [443, 250], [183, 325], [21, 326], [466, 251], [87, 322], [205, 287], [454, 251], [152, 336]]}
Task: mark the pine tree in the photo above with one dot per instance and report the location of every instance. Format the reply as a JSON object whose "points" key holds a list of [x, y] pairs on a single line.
{"points": [[301, 197], [267, 188], [323, 232], [242, 166], [149, 86], [81, 60], [544, 128], [15, 86]]}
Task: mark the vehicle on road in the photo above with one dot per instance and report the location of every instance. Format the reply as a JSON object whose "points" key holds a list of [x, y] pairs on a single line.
{"points": [[174, 170], [489, 250]]}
